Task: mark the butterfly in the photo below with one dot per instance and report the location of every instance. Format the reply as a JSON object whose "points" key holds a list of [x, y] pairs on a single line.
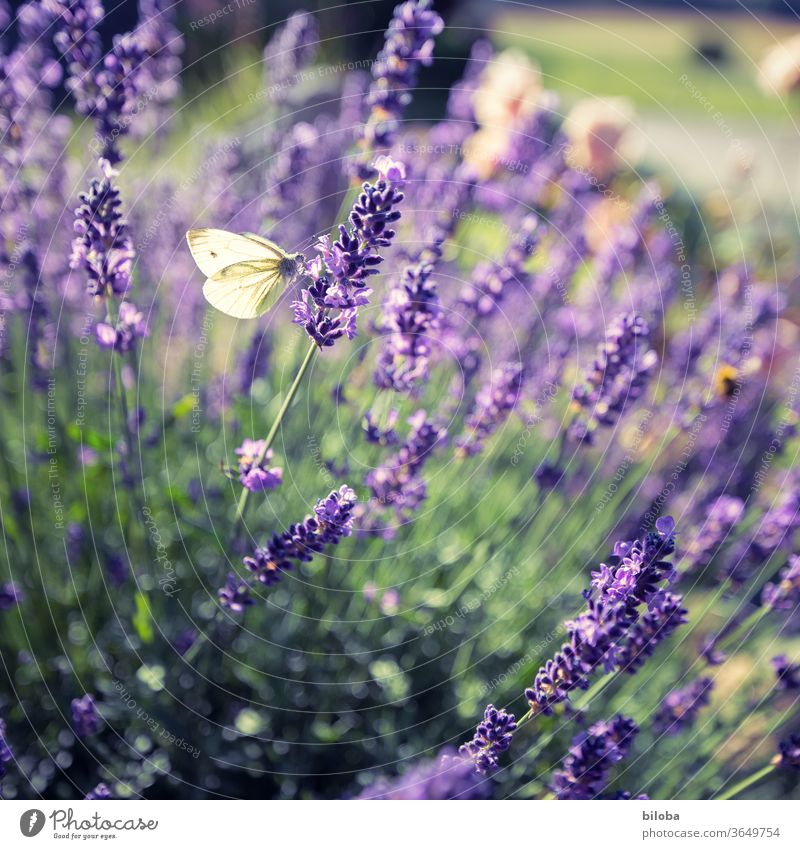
{"points": [[246, 273]]}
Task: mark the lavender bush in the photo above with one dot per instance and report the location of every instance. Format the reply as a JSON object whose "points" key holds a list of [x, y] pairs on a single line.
{"points": [[539, 416]]}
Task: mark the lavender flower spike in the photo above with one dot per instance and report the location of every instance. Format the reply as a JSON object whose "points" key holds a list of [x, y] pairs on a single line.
{"points": [[327, 308], [332, 520], [10, 595], [492, 736], [85, 719], [130, 326], [235, 594], [618, 376], [493, 404], [102, 246], [789, 749], [584, 771], [409, 44]]}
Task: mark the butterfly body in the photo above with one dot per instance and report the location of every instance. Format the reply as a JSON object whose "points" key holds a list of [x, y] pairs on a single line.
{"points": [[246, 273]]}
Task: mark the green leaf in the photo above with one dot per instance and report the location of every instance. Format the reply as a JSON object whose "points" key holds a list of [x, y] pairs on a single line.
{"points": [[142, 620]]}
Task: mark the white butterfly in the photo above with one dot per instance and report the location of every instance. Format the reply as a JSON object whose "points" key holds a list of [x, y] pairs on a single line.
{"points": [[246, 273]]}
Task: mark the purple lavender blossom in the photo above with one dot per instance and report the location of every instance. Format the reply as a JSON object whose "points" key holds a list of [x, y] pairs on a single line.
{"points": [[327, 308], [618, 377], [253, 471], [101, 791], [235, 594], [665, 615], [102, 246], [679, 708], [447, 776], [292, 48], [79, 42], [411, 312], [585, 770], [332, 520], [785, 594], [85, 719], [610, 632], [787, 674], [493, 404], [10, 595], [492, 736], [130, 326], [408, 44], [490, 282]]}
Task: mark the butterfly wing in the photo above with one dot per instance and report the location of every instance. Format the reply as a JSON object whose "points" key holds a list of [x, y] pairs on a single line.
{"points": [[214, 250], [246, 289]]}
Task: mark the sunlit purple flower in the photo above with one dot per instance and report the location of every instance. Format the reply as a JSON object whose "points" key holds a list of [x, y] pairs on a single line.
{"points": [[679, 708], [327, 308], [85, 719], [253, 471], [613, 634], [492, 736], [78, 40], [409, 44], [292, 48], [332, 520], [585, 770]]}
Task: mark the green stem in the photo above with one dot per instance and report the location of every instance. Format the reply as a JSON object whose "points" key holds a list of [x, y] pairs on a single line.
{"points": [[746, 782], [273, 431]]}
